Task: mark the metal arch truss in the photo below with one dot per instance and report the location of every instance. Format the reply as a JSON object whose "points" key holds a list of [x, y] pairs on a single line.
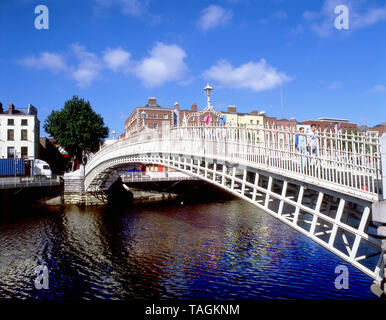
{"points": [[327, 197], [335, 221], [208, 109]]}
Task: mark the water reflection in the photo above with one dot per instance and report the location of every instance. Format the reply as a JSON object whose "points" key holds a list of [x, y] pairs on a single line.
{"points": [[219, 250]]}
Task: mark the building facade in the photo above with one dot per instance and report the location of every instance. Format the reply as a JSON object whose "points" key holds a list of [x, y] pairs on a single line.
{"points": [[233, 118], [150, 116], [19, 132], [153, 116], [332, 124], [380, 128]]}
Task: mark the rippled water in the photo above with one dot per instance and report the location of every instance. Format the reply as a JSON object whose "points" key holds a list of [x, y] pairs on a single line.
{"points": [[219, 250]]}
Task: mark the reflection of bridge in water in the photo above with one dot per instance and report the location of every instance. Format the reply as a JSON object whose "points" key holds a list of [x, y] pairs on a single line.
{"points": [[333, 198]]}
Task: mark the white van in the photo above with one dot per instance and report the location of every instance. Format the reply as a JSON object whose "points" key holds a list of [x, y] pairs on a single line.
{"points": [[42, 168]]}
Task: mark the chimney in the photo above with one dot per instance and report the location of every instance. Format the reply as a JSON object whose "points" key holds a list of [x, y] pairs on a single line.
{"points": [[254, 113], [11, 109], [1, 108], [194, 107], [152, 101], [177, 106], [231, 109]]}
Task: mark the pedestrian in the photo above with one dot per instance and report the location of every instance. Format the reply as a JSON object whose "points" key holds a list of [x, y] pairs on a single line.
{"points": [[300, 147], [312, 141]]}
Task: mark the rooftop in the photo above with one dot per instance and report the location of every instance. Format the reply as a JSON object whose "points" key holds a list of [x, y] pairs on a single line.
{"points": [[31, 110], [333, 119]]}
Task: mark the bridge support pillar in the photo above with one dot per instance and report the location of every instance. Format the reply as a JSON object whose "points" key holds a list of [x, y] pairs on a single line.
{"points": [[379, 216]]}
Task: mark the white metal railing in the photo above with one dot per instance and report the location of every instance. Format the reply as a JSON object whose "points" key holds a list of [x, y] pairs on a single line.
{"points": [[349, 160]]}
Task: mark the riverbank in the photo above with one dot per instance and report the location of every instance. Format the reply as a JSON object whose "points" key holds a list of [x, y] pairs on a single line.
{"points": [[139, 196]]}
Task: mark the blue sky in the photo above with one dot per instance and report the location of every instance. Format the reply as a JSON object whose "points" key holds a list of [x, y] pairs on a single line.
{"points": [[117, 53]]}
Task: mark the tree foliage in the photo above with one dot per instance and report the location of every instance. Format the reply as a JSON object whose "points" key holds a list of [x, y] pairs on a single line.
{"points": [[76, 127]]}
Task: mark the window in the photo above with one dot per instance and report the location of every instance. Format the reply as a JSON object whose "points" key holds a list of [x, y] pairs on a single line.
{"points": [[251, 121], [24, 152], [155, 116], [24, 122], [11, 152], [11, 122], [155, 125], [144, 115], [24, 134], [11, 135], [166, 116]]}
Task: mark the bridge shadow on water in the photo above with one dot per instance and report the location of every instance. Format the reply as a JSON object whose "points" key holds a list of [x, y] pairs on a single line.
{"points": [[119, 198]]}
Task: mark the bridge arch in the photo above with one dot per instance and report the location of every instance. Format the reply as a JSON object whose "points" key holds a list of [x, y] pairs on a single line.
{"points": [[346, 239], [325, 199]]}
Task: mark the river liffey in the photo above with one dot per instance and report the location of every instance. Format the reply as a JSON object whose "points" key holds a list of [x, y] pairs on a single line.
{"points": [[218, 250]]}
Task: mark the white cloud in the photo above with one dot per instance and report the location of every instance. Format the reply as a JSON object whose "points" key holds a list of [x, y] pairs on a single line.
{"points": [[369, 18], [165, 63], [117, 59], [127, 7], [335, 85], [88, 68], [380, 88], [214, 16], [257, 76], [322, 22], [46, 60]]}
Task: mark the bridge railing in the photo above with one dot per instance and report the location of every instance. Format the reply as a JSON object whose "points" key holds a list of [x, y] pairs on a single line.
{"points": [[350, 160]]}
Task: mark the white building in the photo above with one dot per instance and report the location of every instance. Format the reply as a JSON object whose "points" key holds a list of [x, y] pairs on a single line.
{"points": [[19, 132]]}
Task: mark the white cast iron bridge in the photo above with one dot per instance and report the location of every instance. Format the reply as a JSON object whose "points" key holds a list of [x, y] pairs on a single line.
{"points": [[327, 197]]}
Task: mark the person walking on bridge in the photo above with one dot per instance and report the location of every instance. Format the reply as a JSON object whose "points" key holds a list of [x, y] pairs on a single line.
{"points": [[300, 147], [312, 141]]}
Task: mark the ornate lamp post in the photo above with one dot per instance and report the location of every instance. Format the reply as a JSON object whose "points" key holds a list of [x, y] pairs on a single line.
{"points": [[208, 109], [208, 92]]}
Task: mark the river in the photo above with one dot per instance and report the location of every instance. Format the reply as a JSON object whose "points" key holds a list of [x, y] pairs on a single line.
{"points": [[224, 249]]}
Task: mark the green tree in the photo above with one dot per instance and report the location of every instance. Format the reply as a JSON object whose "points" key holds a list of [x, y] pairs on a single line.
{"points": [[76, 127]]}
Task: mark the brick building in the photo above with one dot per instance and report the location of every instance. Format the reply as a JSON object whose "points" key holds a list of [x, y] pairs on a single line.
{"points": [[153, 116], [380, 128], [331, 123]]}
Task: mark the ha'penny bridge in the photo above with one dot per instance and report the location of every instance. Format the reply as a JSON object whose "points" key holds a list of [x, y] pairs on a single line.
{"points": [[335, 198]]}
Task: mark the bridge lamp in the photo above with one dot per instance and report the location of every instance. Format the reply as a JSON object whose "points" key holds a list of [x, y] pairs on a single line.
{"points": [[113, 133], [208, 91]]}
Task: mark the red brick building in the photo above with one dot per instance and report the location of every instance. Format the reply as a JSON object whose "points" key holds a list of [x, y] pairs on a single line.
{"points": [[380, 128], [331, 123], [153, 116]]}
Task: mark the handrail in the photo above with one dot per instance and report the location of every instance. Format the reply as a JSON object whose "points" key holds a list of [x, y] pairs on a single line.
{"points": [[346, 159]]}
